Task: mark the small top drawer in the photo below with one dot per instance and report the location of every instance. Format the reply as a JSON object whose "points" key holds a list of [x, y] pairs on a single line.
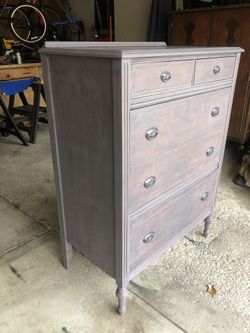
{"points": [[156, 77], [208, 70]]}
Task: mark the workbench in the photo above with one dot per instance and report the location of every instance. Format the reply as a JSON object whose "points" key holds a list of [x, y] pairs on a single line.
{"points": [[22, 71]]}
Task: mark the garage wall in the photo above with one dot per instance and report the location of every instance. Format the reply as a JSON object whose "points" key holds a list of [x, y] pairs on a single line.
{"points": [[131, 19], [85, 11]]}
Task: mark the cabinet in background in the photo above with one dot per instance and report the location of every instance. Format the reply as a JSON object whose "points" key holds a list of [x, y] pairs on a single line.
{"points": [[221, 26]]}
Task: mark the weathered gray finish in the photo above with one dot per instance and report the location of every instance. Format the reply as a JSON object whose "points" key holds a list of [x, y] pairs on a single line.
{"points": [[206, 70], [147, 77], [118, 124], [208, 221], [170, 219], [178, 122], [172, 168], [84, 136], [121, 294], [110, 45]]}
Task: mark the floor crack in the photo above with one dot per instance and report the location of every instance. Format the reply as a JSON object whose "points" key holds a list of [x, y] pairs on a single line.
{"points": [[45, 225], [23, 243]]}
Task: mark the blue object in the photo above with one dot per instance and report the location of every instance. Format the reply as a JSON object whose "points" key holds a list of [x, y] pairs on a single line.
{"points": [[15, 86]]}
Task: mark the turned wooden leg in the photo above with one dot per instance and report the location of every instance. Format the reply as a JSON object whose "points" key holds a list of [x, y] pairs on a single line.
{"points": [[121, 294], [67, 253], [208, 222]]}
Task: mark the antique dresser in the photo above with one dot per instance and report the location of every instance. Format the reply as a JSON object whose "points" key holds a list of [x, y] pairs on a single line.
{"points": [[138, 133]]}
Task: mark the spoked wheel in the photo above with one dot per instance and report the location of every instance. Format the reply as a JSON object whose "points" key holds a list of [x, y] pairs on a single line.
{"points": [[28, 24], [57, 26], [54, 28]]}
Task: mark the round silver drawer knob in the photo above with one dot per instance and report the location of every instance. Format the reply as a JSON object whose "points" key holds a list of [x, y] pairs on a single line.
{"points": [[204, 196], [149, 182], [151, 133], [149, 237], [216, 70], [210, 151], [165, 76], [215, 111]]}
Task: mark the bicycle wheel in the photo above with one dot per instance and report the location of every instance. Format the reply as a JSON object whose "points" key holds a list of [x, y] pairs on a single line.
{"points": [[21, 25], [34, 31], [54, 28]]}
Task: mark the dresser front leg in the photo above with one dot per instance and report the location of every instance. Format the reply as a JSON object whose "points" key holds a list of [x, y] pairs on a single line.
{"points": [[121, 294], [208, 222]]}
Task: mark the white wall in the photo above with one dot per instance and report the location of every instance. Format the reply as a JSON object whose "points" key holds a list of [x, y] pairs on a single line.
{"points": [[131, 19]]}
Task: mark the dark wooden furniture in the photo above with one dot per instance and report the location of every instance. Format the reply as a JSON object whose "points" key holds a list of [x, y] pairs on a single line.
{"points": [[221, 26], [138, 134]]}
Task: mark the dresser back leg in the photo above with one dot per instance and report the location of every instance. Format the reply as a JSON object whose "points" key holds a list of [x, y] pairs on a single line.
{"points": [[121, 294], [208, 222], [67, 253]]}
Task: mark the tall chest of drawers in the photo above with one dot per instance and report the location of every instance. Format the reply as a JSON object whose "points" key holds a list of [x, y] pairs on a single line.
{"points": [[138, 133]]}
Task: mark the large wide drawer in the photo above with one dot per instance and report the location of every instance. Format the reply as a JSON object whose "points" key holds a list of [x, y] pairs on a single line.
{"points": [[208, 70], [157, 77], [156, 176], [149, 233], [156, 129]]}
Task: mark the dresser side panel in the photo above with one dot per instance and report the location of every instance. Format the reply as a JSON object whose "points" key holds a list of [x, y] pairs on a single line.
{"points": [[83, 119]]}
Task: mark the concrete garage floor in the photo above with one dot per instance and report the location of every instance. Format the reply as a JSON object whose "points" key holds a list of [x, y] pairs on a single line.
{"points": [[38, 295]]}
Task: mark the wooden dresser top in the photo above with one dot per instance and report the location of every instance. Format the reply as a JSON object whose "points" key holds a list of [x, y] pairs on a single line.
{"points": [[130, 49]]}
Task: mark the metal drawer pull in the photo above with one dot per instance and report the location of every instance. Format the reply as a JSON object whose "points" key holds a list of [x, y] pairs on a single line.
{"points": [[210, 151], [150, 181], [148, 238], [216, 70], [215, 111], [165, 76], [204, 196], [151, 133]]}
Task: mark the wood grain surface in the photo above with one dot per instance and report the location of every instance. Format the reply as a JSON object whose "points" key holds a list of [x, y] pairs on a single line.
{"points": [[102, 100], [84, 134], [204, 69], [178, 122], [22, 71], [169, 220], [173, 168], [146, 77]]}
